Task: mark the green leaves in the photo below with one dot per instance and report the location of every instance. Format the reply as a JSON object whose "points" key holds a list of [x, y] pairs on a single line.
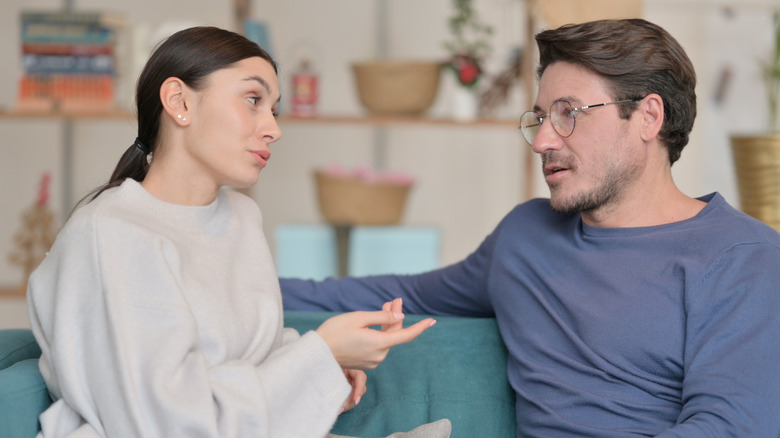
{"points": [[470, 43]]}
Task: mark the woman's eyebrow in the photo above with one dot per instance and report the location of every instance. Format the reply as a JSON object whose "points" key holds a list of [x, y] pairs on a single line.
{"points": [[261, 81]]}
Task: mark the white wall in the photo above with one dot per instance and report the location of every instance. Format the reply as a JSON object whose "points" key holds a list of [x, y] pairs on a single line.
{"points": [[468, 178]]}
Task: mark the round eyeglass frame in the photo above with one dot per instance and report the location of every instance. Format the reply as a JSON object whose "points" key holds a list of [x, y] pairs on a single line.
{"points": [[531, 122]]}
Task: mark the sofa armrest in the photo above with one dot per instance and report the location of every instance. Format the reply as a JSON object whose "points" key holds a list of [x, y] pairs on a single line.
{"points": [[455, 370], [17, 345], [23, 393]]}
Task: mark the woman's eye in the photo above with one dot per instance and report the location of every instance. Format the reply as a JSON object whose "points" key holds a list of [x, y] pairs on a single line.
{"points": [[254, 100]]}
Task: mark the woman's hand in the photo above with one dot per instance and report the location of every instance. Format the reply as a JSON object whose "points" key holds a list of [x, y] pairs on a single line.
{"points": [[395, 306], [355, 345], [356, 378]]}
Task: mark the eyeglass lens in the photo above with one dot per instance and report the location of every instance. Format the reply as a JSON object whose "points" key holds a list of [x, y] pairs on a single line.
{"points": [[560, 115]]}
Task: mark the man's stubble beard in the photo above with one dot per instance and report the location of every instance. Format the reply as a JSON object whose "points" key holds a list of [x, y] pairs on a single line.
{"points": [[608, 191]]}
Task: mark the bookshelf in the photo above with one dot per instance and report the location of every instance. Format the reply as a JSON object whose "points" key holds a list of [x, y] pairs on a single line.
{"points": [[399, 121], [241, 12], [71, 122], [72, 116]]}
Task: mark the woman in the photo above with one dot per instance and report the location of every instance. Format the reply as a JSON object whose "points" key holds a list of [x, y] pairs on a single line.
{"points": [[158, 308]]}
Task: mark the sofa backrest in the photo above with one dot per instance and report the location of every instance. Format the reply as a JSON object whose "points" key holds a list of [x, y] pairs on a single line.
{"points": [[455, 370]]}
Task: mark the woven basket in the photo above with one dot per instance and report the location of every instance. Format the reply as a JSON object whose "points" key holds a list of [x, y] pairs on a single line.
{"points": [[757, 165], [397, 87], [350, 201]]}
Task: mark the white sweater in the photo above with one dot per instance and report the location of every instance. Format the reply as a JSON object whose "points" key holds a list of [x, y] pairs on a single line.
{"points": [[160, 320]]}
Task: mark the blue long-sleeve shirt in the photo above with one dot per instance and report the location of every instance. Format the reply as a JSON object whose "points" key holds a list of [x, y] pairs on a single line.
{"points": [[672, 330]]}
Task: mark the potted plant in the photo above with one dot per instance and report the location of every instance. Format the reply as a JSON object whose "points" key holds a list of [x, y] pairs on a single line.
{"points": [[757, 157], [469, 46]]}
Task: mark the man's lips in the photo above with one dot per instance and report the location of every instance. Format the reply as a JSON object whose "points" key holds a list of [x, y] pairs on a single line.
{"points": [[261, 156], [553, 168]]}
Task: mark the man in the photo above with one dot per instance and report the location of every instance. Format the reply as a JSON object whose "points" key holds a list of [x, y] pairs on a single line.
{"points": [[628, 308]]}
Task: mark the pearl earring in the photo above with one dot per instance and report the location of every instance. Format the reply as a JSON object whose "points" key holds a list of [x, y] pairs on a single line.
{"points": [[183, 119]]}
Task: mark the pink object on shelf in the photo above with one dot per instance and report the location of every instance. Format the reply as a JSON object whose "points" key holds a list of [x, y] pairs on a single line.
{"points": [[43, 193], [367, 175]]}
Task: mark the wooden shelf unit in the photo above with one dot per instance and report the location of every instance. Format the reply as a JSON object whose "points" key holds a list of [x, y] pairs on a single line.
{"points": [[373, 120], [100, 115]]}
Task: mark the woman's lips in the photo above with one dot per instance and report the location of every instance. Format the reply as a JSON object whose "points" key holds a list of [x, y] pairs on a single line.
{"points": [[261, 156]]}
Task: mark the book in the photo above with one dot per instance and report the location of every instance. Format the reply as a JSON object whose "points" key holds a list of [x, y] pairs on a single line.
{"points": [[65, 92], [67, 49], [68, 59], [68, 26], [103, 18], [95, 64]]}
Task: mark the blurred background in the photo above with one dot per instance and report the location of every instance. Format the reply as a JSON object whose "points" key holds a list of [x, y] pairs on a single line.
{"points": [[468, 171]]}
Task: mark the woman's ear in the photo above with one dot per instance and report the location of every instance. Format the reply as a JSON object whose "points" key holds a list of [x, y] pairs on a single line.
{"points": [[174, 96], [651, 109]]}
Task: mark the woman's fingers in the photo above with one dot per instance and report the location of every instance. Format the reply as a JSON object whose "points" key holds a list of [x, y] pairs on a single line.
{"points": [[395, 306], [356, 378], [393, 332], [403, 336], [356, 345]]}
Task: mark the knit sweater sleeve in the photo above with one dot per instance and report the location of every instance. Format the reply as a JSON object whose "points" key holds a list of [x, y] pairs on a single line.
{"points": [[460, 289], [732, 350], [122, 352]]}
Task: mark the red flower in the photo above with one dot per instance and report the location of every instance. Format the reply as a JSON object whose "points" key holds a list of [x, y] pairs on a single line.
{"points": [[467, 68]]}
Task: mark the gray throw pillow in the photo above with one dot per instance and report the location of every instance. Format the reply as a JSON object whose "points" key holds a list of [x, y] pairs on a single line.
{"points": [[438, 429]]}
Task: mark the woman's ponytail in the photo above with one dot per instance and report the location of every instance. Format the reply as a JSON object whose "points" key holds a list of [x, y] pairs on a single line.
{"points": [[134, 164]]}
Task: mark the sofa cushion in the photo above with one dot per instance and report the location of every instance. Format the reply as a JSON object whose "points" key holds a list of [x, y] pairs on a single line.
{"points": [[17, 345], [22, 399], [455, 370]]}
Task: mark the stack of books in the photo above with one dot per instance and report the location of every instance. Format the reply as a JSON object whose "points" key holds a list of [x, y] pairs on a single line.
{"points": [[69, 61]]}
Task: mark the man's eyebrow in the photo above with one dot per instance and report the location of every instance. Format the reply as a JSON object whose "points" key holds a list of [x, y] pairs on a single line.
{"points": [[569, 99]]}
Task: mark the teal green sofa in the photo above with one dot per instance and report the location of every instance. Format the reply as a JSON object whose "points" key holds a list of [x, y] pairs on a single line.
{"points": [[456, 370]]}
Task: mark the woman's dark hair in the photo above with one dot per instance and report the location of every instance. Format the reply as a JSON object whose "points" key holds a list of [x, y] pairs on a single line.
{"points": [[190, 55], [636, 58]]}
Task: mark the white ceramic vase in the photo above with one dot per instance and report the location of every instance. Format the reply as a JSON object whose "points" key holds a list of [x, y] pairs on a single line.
{"points": [[465, 105]]}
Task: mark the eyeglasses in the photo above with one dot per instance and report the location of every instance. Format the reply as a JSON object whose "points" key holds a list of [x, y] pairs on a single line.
{"points": [[562, 116]]}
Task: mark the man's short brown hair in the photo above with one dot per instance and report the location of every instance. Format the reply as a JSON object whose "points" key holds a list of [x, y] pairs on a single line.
{"points": [[636, 58]]}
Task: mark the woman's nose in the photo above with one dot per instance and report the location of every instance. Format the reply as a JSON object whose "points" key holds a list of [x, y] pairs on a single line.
{"points": [[271, 131]]}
